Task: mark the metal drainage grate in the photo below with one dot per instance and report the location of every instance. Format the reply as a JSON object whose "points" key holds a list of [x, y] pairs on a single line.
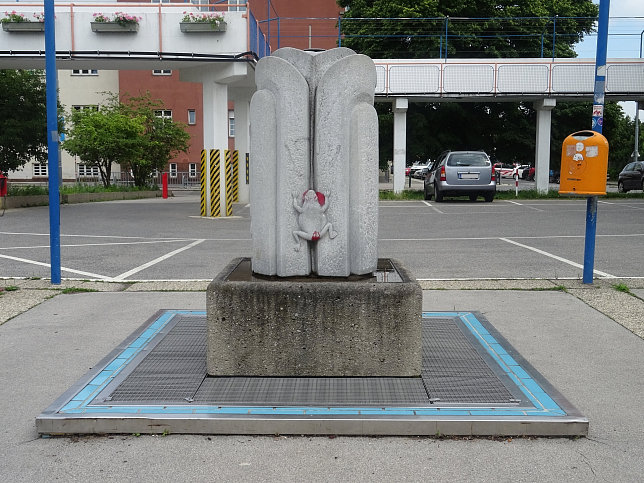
{"points": [[454, 370]]}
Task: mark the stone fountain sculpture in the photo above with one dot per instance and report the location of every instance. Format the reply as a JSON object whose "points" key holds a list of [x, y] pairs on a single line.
{"points": [[308, 302], [314, 145]]}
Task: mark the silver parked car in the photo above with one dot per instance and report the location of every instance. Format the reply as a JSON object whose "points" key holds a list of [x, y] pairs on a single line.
{"points": [[461, 173]]}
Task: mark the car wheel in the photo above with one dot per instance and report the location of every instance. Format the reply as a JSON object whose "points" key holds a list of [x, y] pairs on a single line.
{"points": [[438, 194], [473, 197], [620, 188], [489, 198], [428, 196]]}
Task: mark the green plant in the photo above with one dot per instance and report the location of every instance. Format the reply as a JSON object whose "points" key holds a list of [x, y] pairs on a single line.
{"points": [[14, 16], [404, 195], [26, 190], [73, 290], [120, 18], [99, 17], [10, 288], [213, 19], [621, 287]]}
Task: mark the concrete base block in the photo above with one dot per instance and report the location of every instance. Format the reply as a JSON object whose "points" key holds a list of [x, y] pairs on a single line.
{"points": [[314, 326]]}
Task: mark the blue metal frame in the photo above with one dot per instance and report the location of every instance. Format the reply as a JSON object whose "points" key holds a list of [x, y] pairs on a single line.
{"points": [[51, 78], [79, 403], [597, 124]]}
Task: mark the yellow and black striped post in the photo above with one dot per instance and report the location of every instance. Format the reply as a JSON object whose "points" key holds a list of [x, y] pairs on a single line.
{"points": [[229, 183], [202, 179], [215, 191], [235, 175]]}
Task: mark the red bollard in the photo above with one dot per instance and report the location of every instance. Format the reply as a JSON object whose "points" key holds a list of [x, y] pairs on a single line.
{"points": [[164, 184], [3, 184]]}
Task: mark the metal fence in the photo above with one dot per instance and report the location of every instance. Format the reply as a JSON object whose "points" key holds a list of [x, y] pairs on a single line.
{"points": [[532, 37]]}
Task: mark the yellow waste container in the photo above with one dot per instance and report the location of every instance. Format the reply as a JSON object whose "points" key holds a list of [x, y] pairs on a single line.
{"points": [[584, 164]]}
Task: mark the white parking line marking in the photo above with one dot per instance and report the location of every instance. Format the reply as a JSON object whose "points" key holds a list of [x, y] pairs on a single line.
{"points": [[433, 207], [70, 270], [523, 204], [123, 276], [561, 259]]}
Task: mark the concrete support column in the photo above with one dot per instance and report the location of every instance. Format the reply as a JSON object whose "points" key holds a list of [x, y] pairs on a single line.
{"points": [[242, 143], [215, 115], [544, 109], [400, 143], [215, 130]]}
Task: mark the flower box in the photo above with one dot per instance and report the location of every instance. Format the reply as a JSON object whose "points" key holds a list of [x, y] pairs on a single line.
{"points": [[109, 27], [191, 27], [23, 26]]}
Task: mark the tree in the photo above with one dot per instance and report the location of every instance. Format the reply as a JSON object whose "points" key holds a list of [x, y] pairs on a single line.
{"points": [[101, 138], [23, 118], [483, 29], [465, 29], [163, 138], [127, 133]]}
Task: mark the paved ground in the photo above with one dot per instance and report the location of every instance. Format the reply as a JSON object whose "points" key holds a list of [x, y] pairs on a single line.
{"points": [[586, 340], [595, 362]]}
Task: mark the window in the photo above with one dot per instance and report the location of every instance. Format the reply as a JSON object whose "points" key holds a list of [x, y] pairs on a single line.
{"points": [[162, 72], [92, 107], [192, 170], [468, 160], [84, 72], [90, 171], [164, 113], [192, 116], [231, 124], [173, 170], [40, 169], [233, 8]]}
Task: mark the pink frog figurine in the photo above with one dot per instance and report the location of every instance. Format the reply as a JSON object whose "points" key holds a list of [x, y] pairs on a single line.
{"points": [[312, 218]]}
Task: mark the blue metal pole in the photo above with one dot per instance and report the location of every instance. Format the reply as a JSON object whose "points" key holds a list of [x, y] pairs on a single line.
{"points": [[598, 122], [446, 27], [51, 78], [268, 21], [340, 31], [554, 36]]}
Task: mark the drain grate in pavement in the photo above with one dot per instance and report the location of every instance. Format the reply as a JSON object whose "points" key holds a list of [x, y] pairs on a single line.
{"points": [[455, 370]]}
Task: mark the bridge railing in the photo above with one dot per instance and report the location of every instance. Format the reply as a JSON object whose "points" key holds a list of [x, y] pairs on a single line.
{"points": [[506, 77]]}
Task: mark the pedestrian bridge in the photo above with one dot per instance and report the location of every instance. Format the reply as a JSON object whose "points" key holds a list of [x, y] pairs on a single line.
{"points": [[507, 79], [160, 42]]}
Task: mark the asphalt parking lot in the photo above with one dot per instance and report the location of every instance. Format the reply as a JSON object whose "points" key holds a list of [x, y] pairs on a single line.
{"points": [[158, 239], [585, 340]]}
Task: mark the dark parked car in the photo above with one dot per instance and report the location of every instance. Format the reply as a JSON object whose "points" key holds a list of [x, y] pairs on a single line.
{"points": [[631, 177], [461, 173]]}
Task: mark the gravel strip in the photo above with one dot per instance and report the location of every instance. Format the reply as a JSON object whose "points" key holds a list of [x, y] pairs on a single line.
{"points": [[18, 301], [623, 308]]}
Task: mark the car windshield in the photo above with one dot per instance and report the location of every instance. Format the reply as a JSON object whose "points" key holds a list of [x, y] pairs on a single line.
{"points": [[468, 159]]}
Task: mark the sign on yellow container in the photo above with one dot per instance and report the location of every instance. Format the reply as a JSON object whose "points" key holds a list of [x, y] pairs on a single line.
{"points": [[584, 164]]}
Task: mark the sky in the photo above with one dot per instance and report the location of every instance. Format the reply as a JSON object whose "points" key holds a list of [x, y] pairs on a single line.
{"points": [[624, 36], [624, 30]]}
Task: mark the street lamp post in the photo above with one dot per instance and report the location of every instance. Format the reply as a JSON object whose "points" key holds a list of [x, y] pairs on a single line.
{"points": [[637, 115]]}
